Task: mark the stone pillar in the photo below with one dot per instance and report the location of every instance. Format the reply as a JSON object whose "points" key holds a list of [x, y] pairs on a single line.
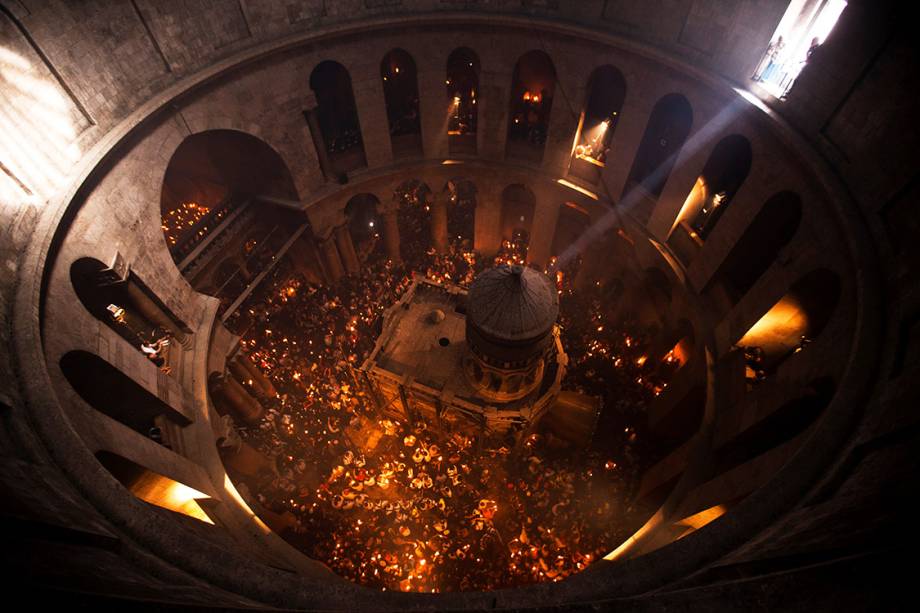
{"points": [[332, 259], [543, 228], [372, 113], [233, 398], [346, 249], [494, 102], [319, 143], [391, 231], [487, 227], [258, 377], [305, 259], [439, 221], [624, 145], [153, 313], [433, 105], [563, 119]]}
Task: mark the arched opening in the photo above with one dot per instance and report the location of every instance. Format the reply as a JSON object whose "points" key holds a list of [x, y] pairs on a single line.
{"points": [[779, 427], [124, 304], [462, 90], [461, 212], [532, 85], [211, 175], [572, 223], [518, 206], [400, 91], [113, 393], [657, 288], [770, 230], [797, 319], [337, 118], [665, 133], [724, 173], [154, 488], [364, 225], [413, 217], [606, 92]]}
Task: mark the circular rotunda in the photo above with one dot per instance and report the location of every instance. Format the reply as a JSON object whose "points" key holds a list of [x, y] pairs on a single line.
{"points": [[433, 304]]}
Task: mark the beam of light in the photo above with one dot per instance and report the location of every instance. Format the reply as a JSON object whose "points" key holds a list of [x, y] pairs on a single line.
{"points": [[704, 137], [38, 132], [577, 188], [170, 494]]}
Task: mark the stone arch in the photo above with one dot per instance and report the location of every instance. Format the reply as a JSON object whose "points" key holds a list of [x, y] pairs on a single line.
{"points": [[667, 129], [774, 225], [599, 119], [518, 207], [209, 175], [462, 79], [108, 390], [533, 84], [724, 173], [337, 117], [400, 92], [794, 321]]}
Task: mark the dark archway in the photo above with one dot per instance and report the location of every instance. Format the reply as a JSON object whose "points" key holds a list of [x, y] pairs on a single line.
{"points": [[210, 175], [400, 91], [364, 224], [115, 394], [667, 129], [461, 212], [779, 427], [413, 216], [518, 207], [337, 116], [724, 173], [606, 92], [532, 86], [757, 248], [796, 320], [462, 91]]}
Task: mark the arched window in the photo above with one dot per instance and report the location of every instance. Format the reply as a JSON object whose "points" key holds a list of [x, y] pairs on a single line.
{"points": [[124, 304], [532, 87], [210, 175], [725, 171], [400, 91], [665, 133], [606, 92], [461, 212], [779, 427], [518, 206], [797, 319], [113, 393], [572, 223], [770, 230], [462, 91], [364, 225], [413, 216], [337, 116]]}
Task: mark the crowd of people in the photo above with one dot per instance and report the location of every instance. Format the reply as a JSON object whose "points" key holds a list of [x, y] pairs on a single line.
{"points": [[400, 506]]}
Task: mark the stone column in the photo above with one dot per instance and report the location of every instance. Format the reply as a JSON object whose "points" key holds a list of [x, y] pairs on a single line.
{"points": [[346, 248], [316, 133], [257, 376], [433, 105], [234, 398], [333, 261], [372, 114], [487, 227], [391, 231], [624, 145], [439, 221], [494, 102], [153, 313], [543, 228]]}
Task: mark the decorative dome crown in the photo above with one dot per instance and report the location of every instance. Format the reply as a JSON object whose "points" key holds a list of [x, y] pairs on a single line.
{"points": [[512, 303]]}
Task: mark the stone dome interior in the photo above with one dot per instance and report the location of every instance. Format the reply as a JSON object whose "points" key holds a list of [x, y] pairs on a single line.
{"points": [[414, 305]]}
